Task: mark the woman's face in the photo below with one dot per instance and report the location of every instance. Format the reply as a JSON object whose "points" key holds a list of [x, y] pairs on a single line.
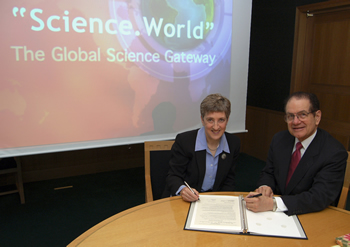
{"points": [[215, 125]]}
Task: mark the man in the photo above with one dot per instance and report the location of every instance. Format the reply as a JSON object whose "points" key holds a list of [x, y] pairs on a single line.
{"points": [[318, 177]]}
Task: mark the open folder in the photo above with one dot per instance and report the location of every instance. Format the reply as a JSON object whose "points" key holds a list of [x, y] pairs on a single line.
{"points": [[228, 214]]}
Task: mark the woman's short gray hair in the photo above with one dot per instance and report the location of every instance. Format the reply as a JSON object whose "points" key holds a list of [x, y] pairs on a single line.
{"points": [[215, 103]]}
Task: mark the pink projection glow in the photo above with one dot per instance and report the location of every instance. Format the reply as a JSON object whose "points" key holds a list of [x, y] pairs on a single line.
{"points": [[76, 71]]}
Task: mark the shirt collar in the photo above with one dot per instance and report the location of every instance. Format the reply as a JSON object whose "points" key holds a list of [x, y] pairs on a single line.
{"points": [[307, 141], [201, 142]]}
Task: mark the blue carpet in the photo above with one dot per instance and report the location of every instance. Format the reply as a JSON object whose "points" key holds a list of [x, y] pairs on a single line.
{"points": [[56, 217]]}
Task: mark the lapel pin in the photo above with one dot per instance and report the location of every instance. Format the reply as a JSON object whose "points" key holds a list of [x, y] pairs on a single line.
{"points": [[223, 156]]}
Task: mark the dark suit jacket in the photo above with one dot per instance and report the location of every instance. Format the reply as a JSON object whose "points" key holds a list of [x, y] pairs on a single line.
{"points": [[318, 178], [188, 165]]}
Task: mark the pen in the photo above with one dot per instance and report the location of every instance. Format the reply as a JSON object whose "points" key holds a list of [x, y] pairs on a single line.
{"points": [[257, 195], [190, 188]]}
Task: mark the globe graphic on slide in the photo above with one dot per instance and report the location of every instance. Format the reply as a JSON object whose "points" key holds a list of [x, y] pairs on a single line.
{"points": [[177, 13], [183, 27]]}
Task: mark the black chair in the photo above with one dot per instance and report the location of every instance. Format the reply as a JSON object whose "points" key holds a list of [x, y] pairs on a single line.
{"points": [[13, 166], [157, 156]]}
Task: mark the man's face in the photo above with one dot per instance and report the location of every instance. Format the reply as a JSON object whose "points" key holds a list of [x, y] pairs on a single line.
{"points": [[302, 128], [215, 125]]}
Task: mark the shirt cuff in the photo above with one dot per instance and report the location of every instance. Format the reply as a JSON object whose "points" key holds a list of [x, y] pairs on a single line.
{"points": [[281, 207], [179, 190]]}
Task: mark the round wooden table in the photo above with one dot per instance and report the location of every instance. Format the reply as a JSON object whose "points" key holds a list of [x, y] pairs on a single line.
{"points": [[161, 223]]}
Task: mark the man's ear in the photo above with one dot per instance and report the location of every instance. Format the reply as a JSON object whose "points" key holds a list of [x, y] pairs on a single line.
{"points": [[318, 117]]}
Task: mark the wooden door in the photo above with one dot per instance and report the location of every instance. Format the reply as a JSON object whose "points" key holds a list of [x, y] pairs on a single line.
{"points": [[321, 62]]}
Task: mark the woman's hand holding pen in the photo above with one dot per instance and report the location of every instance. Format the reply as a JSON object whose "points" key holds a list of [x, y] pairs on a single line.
{"points": [[188, 196]]}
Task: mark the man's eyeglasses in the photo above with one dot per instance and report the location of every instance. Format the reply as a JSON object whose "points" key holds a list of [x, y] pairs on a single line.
{"points": [[300, 115]]}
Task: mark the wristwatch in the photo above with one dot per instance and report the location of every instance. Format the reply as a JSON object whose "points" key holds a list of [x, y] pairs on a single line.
{"points": [[274, 205]]}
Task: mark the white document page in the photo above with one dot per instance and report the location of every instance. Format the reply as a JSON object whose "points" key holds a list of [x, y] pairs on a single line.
{"points": [[274, 224], [217, 213]]}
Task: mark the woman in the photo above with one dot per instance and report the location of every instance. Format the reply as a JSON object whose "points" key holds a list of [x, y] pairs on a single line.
{"points": [[204, 158]]}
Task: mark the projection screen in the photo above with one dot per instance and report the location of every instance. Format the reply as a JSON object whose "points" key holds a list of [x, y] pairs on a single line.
{"points": [[79, 74]]}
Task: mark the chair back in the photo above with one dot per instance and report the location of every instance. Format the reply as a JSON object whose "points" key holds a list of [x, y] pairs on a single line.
{"points": [[157, 156], [13, 166], [346, 185]]}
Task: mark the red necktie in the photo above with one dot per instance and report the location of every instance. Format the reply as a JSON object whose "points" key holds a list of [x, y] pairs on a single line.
{"points": [[296, 156]]}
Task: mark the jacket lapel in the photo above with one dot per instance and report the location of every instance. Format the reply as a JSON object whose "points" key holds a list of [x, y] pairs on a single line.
{"points": [[201, 161], [285, 156], [222, 169], [305, 163]]}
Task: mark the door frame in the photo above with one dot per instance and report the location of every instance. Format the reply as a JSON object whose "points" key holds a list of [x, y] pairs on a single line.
{"points": [[300, 66]]}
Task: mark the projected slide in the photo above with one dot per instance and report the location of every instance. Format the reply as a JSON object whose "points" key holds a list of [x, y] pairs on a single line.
{"points": [[75, 72]]}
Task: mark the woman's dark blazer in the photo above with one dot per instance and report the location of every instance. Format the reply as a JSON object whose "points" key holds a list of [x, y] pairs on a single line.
{"points": [[188, 165]]}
